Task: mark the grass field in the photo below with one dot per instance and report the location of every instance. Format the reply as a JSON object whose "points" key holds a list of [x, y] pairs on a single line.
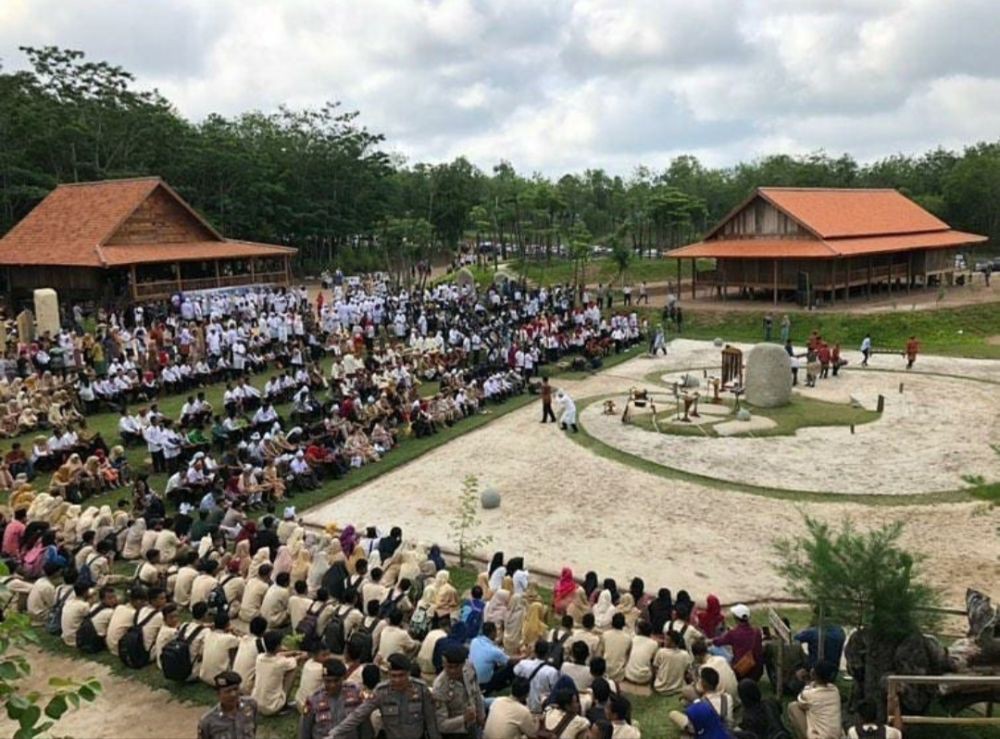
{"points": [[801, 412], [967, 331]]}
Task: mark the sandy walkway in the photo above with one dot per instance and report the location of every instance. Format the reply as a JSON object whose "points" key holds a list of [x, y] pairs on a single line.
{"points": [[564, 505], [946, 424], [125, 709]]}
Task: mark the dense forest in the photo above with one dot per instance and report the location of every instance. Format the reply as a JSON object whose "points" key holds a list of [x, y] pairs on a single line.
{"points": [[320, 181]]}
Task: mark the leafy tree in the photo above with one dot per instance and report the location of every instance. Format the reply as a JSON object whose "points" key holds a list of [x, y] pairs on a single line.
{"points": [[33, 718], [621, 255]]}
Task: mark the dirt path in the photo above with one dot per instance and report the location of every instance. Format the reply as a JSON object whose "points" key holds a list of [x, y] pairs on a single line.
{"points": [[125, 709]]}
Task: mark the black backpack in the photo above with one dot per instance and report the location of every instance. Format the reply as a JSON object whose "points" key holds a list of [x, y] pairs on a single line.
{"points": [[217, 598], [86, 574], [333, 634], [175, 658], [557, 650], [132, 647], [309, 623], [363, 642], [334, 580], [389, 604], [680, 634], [54, 623], [877, 733], [87, 638]]}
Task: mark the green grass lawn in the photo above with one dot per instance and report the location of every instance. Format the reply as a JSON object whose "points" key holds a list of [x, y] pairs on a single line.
{"points": [[801, 412], [964, 331]]}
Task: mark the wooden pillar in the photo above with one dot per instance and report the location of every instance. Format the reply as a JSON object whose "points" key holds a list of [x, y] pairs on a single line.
{"points": [[869, 286], [909, 271], [253, 271], [694, 273], [775, 281], [722, 269], [218, 277], [180, 284], [833, 282], [135, 285]]}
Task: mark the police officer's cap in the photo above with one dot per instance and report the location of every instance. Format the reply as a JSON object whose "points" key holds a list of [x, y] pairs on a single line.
{"points": [[456, 654], [334, 668], [399, 662], [227, 679]]}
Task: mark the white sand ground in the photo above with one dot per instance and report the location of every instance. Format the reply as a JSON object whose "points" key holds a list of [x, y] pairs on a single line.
{"points": [[564, 505]]}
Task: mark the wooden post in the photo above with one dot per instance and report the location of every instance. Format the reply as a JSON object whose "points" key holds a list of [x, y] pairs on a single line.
{"points": [[869, 288], [253, 272], [909, 271], [180, 284], [775, 281], [893, 712], [833, 282], [724, 285], [694, 272], [218, 278], [135, 286]]}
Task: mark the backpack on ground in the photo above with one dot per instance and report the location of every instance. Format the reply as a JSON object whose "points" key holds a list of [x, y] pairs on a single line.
{"points": [[86, 573], [175, 658], [54, 623], [362, 640], [557, 649], [87, 638], [132, 647], [333, 634]]}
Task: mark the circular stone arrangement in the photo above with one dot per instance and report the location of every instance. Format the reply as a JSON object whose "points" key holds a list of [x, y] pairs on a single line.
{"points": [[928, 437]]}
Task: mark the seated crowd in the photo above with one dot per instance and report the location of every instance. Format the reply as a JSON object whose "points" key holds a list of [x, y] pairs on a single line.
{"points": [[299, 619]]}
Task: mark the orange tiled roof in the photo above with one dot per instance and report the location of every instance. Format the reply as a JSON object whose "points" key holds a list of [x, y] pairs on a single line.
{"points": [[118, 256], [838, 213], [72, 225]]}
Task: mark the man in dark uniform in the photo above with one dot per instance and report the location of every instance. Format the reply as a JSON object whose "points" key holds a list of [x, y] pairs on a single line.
{"points": [[546, 392], [405, 704], [327, 707], [235, 717], [459, 702]]}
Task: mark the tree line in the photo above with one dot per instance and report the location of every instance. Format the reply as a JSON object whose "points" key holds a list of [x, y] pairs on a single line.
{"points": [[319, 180]]}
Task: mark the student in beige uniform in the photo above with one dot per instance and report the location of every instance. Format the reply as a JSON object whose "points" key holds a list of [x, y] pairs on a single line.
{"points": [[311, 677], [671, 663], [509, 717], [171, 623], [219, 649], [74, 611], [394, 639], [204, 583], [639, 668], [614, 647], [816, 712], [586, 633], [250, 647], [184, 579], [253, 597], [42, 595], [867, 725], [299, 603], [150, 573], [274, 606], [563, 717], [275, 675]]}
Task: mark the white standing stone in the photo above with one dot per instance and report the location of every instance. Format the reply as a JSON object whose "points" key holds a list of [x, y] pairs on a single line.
{"points": [[47, 311], [769, 376]]}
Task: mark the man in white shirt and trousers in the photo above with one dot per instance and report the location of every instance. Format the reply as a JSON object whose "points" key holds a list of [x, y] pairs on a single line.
{"points": [[568, 417]]}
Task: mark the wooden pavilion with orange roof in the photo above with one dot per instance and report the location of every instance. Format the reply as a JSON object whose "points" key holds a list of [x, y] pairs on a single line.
{"points": [[131, 239], [821, 242]]}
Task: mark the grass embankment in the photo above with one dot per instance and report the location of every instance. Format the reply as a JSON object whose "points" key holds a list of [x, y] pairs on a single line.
{"points": [[800, 413], [966, 331]]}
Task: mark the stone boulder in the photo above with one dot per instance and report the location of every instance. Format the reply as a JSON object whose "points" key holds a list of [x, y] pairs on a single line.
{"points": [[743, 415], [717, 341], [768, 376], [465, 278], [490, 498]]}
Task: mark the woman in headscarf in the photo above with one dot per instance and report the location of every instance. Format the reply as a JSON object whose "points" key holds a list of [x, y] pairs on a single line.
{"points": [[248, 533], [514, 564], [483, 582], [133, 539], [604, 610], [497, 577], [446, 600], [512, 624], [495, 563], [260, 557], [661, 610], [496, 608], [434, 555], [578, 606], [642, 599], [283, 561], [626, 607], [710, 620], [317, 568], [590, 586], [242, 557], [521, 579], [683, 605], [534, 627], [564, 590]]}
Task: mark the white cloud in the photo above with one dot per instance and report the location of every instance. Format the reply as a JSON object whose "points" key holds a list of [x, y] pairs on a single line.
{"points": [[565, 84]]}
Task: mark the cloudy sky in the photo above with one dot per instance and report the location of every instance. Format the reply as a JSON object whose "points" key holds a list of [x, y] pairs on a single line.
{"points": [[562, 85]]}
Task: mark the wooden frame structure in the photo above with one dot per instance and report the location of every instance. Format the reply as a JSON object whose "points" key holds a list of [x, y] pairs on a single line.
{"points": [[834, 241]]}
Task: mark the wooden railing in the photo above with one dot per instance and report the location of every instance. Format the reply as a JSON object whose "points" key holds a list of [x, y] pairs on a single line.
{"points": [[165, 288], [988, 685]]}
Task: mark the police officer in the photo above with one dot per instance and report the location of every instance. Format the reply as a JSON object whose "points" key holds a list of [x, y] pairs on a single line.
{"points": [[405, 704], [235, 717], [328, 706], [457, 697]]}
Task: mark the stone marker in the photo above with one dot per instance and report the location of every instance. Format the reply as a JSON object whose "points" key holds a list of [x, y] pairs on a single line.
{"points": [[769, 376], [717, 341], [465, 278], [47, 311], [490, 498], [742, 415], [25, 326]]}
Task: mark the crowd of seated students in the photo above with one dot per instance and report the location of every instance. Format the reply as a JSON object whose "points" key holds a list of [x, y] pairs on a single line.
{"points": [[233, 586]]}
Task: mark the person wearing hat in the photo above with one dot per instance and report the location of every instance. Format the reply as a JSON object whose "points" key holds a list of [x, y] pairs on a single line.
{"points": [[326, 708], [405, 703], [747, 643], [457, 698], [235, 716]]}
